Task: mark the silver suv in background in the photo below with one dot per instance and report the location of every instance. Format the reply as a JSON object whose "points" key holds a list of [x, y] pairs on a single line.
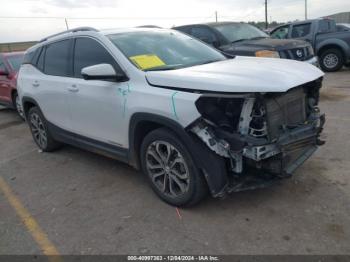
{"points": [[192, 120]]}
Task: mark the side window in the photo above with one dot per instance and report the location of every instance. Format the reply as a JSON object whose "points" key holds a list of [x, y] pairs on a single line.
{"points": [[29, 57], [88, 52], [40, 63], [204, 34], [281, 33], [184, 29], [301, 30], [57, 60], [324, 26]]}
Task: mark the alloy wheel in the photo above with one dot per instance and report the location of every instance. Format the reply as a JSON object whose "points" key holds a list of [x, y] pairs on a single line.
{"points": [[331, 60], [38, 130], [167, 169]]}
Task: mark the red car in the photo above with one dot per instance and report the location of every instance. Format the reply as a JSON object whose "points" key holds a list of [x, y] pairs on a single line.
{"points": [[9, 67]]}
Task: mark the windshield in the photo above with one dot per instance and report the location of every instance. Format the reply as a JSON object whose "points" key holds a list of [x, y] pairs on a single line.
{"points": [[15, 61], [164, 50], [237, 32]]}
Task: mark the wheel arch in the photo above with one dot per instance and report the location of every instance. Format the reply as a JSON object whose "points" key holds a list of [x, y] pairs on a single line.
{"points": [[143, 123], [28, 103], [328, 46], [212, 165]]}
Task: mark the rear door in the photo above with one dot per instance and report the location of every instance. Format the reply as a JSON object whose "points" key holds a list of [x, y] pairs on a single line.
{"points": [[97, 106], [52, 81]]}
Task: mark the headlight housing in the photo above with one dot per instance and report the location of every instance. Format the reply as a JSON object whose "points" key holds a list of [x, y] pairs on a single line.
{"points": [[267, 53]]}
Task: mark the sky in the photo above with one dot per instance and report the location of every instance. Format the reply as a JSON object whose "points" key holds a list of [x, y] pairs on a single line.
{"points": [[27, 20]]}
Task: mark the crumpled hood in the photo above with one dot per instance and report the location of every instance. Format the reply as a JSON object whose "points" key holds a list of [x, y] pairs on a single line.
{"points": [[241, 74]]}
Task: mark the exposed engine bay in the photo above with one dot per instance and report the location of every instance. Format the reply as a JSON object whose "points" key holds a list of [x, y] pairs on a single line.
{"points": [[270, 132]]}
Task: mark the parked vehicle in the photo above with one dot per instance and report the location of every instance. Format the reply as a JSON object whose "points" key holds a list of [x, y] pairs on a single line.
{"points": [[174, 107], [247, 40], [343, 27], [331, 45], [9, 66]]}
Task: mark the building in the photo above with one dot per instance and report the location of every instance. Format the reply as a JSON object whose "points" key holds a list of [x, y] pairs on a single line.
{"points": [[341, 17], [13, 47]]}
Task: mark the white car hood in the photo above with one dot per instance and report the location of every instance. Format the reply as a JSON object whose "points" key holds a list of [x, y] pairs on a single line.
{"points": [[241, 74]]}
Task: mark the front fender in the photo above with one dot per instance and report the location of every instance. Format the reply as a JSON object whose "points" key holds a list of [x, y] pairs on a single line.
{"points": [[333, 42], [212, 166]]}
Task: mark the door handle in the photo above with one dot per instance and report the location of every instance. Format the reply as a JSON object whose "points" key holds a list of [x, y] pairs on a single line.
{"points": [[35, 84], [73, 88]]}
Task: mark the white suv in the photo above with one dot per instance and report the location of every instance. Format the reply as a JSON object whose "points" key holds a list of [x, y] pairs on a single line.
{"points": [[192, 119]]}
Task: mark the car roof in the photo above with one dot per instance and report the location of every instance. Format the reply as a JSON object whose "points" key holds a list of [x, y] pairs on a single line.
{"points": [[210, 24], [91, 31], [306, 21], [223, 23], [132, 29]]}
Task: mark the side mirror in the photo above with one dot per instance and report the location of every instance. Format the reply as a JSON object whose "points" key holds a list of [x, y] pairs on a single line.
{"points": [[103, 72]]}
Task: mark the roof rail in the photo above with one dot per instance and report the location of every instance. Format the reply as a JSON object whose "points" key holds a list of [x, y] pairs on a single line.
{"points": [[86, 28]]}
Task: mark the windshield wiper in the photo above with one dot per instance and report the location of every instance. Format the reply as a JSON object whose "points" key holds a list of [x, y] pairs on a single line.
{"points": [[164, 67], [209, 62], [239, 40], [258, 37]]}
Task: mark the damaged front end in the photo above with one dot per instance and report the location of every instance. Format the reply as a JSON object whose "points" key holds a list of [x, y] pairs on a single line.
{"points": [[259, 138]]}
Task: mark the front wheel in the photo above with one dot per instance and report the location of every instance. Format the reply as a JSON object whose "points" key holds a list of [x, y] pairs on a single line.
{"points": [[331, 60], [171, 170]]}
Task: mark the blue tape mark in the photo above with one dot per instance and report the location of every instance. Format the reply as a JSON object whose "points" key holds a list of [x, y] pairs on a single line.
{"points": [[124, 107], [173, 104], [124, 94]]}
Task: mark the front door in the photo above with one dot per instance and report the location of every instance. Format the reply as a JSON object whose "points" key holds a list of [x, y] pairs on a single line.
{"points": [[96, 106]]}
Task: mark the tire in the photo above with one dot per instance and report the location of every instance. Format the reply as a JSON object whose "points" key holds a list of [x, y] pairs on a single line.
{"points": [[18, 106], [184, 183], [40, 132], [331, 60]]}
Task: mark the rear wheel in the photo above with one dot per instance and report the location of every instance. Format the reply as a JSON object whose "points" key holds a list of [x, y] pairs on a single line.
{"points": [[18, 106], [40, 132], [331, 60], [170, 169]]}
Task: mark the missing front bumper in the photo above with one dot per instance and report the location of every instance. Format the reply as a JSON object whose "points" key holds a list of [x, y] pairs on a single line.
{"points": [[255, 164]]}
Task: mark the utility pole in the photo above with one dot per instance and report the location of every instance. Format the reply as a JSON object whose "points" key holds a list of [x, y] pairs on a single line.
{"points": [[305, 9], [216, 16], [266, 22]]}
